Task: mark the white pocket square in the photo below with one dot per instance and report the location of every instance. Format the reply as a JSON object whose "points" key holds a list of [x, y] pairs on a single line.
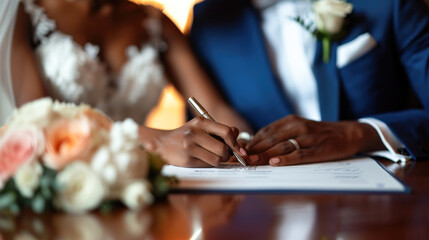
{"points": [[354, 49]]}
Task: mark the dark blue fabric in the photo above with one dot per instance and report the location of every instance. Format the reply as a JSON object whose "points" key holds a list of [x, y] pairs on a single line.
{"points": [[226, 36], [391, 82], [327, 83]]}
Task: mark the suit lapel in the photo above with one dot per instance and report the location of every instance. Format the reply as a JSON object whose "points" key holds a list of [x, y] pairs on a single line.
{"points": [[261, 63], [261, 87]]}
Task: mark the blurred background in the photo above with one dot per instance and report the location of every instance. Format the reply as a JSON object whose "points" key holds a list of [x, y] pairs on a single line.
{"points": [[170, 112]]}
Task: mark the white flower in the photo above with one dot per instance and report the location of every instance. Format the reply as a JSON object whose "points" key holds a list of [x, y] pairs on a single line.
{"points": [[27, 178], [136, 195], [121, 159], [68, 110], [330, 14], [80, 188], [124, 135], [99, 162], [38, 112]]}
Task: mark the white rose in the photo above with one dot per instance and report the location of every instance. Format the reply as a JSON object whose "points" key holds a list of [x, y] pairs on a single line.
{"points": [[80, 188], [136, 195], [330, 14], [38, 112], [27, 178]]}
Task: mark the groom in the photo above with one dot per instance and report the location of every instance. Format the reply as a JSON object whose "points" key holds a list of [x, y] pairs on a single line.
{"points": [[369, 92]]}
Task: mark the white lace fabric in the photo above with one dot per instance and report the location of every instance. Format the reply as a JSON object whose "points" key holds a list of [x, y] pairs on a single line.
{"points": [[73, 73]]}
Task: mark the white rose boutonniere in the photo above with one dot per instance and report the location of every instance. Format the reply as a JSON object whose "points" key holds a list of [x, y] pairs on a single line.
{"points": [[330, 16]]}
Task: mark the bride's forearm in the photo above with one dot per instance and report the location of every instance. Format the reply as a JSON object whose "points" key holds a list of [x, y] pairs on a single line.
{"points": [[150, 138]]}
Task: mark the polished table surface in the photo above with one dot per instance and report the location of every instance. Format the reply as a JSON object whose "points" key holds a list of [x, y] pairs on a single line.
{"points": [[250, 216]]}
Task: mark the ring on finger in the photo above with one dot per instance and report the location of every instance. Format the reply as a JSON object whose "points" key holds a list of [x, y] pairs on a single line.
{"points": [[295, 143]]}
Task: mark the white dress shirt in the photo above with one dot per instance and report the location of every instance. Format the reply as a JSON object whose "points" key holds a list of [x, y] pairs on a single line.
{"points": [[292, 49]]}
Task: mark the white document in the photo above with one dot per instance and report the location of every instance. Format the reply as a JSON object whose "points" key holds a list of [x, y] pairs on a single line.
{"points": [[353, 175]]}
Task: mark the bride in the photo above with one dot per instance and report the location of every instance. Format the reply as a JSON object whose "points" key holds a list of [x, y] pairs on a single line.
{"points": [[116, 56]]}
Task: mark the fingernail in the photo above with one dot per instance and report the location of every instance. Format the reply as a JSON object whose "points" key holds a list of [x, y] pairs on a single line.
{"points": [[274, 161], [243, 151], [254, 158]]}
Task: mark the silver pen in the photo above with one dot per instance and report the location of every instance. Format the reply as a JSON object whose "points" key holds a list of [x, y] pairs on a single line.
{"points": [[203, 112]]}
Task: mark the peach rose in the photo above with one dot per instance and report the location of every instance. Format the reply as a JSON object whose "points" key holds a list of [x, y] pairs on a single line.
{"points": [[68, 140], [98, 118], [17, 147]]}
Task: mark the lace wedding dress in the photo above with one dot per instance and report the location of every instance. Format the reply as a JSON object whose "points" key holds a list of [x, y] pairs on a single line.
{"points": [[74, 73]]}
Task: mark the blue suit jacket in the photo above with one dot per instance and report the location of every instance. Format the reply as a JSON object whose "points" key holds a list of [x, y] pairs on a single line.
{"points": [[390, 82]]}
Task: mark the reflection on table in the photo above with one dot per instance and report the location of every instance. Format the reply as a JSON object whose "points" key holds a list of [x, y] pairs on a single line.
{"points": [[249, 216]]}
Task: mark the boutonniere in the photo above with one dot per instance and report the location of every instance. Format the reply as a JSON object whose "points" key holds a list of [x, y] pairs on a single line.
{"points": [[330, 16]]}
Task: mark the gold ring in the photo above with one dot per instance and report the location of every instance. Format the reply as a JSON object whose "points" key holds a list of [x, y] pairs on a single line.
{"points": [[295, 143]]}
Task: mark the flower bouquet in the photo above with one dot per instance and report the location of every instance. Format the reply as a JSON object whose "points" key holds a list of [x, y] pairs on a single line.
{"points": [[74, 158]]}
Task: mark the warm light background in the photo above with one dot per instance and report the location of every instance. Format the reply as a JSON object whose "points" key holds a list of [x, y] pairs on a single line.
{"points": [[170, 112]]}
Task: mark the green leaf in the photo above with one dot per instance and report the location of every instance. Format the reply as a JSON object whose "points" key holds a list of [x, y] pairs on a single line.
{"points": [[155, 164], [14, 208], [162, 185], [38, 204], [7, 199], [46, 192], [47, 178], [10, 186], [309, 27], [107, 207]]}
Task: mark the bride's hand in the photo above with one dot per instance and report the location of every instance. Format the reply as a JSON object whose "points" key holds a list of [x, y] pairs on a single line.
{"points": [[193, 144]]}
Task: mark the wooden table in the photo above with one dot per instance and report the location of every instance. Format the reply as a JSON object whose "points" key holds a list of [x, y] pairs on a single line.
{"points": [[250, 216]]}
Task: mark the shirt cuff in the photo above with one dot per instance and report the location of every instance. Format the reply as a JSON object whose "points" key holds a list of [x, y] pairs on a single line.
{"points": [[390, 141]]}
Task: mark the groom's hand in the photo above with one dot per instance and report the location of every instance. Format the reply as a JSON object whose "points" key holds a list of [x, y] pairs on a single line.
{"points": [[295, 140]]}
